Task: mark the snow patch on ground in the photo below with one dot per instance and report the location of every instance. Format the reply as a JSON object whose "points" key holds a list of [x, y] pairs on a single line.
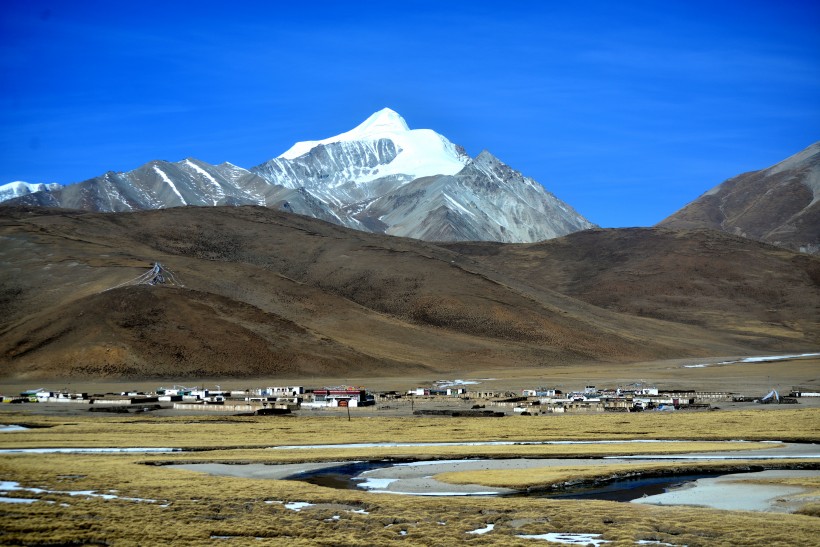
{"points": [[18, 500], [13, 486], [480, 531], [376, 484], [297, 505], [452, 383], [763, 359], [568, 538]]}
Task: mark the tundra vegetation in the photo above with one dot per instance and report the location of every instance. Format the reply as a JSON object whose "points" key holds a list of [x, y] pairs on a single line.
{"points": [[155, 504]]}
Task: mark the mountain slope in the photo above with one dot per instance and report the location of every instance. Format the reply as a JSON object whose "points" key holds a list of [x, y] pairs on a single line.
{"points": [[779, 205], [485, 201], [270, 293], [700, 277]]}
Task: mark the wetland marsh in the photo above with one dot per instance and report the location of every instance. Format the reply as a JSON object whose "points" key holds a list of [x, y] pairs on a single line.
{"points": [[129, 498]]}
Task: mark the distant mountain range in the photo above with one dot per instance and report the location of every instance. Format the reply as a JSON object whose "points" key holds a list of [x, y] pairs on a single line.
{"points": [[380, 177], [19, 188], [778, 205]]}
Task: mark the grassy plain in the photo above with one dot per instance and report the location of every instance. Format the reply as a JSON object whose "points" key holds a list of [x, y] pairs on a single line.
{"points": [[189, 508]]}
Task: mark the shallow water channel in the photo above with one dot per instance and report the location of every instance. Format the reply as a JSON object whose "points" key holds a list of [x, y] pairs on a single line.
{"points": [[418, 477], [352, 476]]}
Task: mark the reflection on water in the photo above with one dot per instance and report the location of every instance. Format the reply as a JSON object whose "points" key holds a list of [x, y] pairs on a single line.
{"points": [[626, 489], [343, 477]]}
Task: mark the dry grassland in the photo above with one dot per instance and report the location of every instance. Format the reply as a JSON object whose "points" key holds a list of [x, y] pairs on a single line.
{"points": [[545, 477], [190, 508], [257, 432]]}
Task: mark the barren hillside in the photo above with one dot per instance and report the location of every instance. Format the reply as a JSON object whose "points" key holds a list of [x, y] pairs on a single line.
{"points": [[750, 290], [269, 293]]}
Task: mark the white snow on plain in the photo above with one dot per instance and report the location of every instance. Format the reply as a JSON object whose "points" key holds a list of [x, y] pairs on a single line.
{"points": [[375, 484], [17, 500], [480, 531], [568, 538], [7, 428], [423, 151], [170, 183], [13, 486], [297, 505], [451, 383], [764, 359]]}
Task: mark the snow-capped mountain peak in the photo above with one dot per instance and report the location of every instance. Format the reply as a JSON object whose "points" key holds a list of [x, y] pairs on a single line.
{"points": [[384, 121], [419, 152]]}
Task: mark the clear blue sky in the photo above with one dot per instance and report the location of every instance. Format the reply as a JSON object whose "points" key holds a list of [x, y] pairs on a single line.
{"points": [[626, 110]]}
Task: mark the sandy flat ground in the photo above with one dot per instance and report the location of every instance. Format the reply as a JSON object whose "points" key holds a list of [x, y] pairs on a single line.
{"points": [[255, 470], [752, 379], [737, 492]]}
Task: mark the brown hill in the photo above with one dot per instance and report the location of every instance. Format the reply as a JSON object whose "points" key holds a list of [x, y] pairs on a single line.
{"points": [[725, 283], [275, 294], [779, 205]]}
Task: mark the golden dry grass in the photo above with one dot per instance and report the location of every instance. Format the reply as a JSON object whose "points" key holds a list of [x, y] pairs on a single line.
{"points": [[255, 432], [542, 477]]}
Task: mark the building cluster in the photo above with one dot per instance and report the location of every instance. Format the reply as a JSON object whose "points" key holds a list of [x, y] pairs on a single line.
{"points": [[284, 399], [544, 400], [261, 400]]}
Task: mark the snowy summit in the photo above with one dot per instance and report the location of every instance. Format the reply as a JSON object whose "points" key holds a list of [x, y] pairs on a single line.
{"points": [[421, 152]]}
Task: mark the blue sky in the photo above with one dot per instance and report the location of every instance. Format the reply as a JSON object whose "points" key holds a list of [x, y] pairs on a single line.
{"points": [[625, 110]]}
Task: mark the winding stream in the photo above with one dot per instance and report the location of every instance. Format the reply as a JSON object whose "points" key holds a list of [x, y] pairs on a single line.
{"points": [[418, 477]]}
